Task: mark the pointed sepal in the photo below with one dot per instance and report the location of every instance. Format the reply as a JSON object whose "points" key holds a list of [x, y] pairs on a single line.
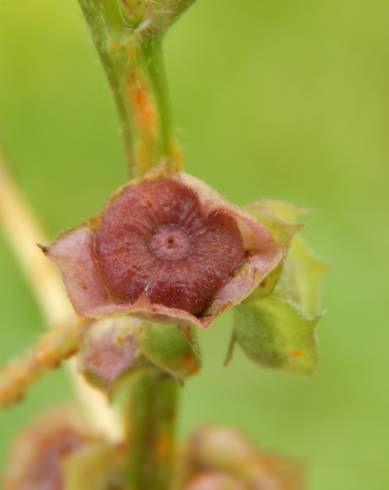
{"points": [[110, 352], [303, 277], [275, 332], [279, 217], [276, 325]]}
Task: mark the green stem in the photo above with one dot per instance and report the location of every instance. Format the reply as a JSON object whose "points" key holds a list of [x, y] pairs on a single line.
{"points": [[158, 80], [151, 417], [93, 13], [135, 69], [159, 19], [128, 36]]}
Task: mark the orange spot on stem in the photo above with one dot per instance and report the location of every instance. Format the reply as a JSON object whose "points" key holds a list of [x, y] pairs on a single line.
{"points": [[163, 447], [112, 46], [297, 354], [190, 364], [145, 113]]}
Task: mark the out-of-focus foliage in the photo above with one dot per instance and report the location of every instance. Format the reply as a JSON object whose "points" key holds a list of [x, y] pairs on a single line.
{"points": [[288, 101]]}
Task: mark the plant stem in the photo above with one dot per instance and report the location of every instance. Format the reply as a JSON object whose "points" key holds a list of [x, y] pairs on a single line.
{"points": [[158, 82], [168, 12], [128, 36], [134, 66], [23, 231], [54, 347], [151, 417]]}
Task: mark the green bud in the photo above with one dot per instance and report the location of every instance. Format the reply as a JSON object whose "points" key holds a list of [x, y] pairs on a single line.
{"points": [[275, 333], [303, 276], [279, 218], [275, 326], [171, 349], [115, 349], [153, 17], [133, 11]]}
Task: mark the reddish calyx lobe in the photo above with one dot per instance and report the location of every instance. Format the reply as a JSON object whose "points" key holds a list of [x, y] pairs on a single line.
{"points": [[45, 472], [215, 482], [156, 240], [107, 358]]}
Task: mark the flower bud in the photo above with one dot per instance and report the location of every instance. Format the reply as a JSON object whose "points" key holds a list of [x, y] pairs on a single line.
{"points": [[216, 452], [220, 448], [110, 351], [152, 17], [275, 326], [170, 348], [114, 349], [133, 11], [39, 452]]}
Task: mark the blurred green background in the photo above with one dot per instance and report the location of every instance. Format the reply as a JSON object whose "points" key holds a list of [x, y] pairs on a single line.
{"points": [[280, 99]]}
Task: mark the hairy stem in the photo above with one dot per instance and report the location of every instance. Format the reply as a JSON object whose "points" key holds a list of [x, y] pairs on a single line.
{"points": [[151, 416], [96, 14], [128, 36], [55, 346], [134, 65]]}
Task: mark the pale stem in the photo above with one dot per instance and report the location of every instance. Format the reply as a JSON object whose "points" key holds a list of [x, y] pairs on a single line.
{"points": [[23, 233]]}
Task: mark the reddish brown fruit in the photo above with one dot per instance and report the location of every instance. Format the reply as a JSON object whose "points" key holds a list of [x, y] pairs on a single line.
{"points": [[166, 248], [156, 240]]}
